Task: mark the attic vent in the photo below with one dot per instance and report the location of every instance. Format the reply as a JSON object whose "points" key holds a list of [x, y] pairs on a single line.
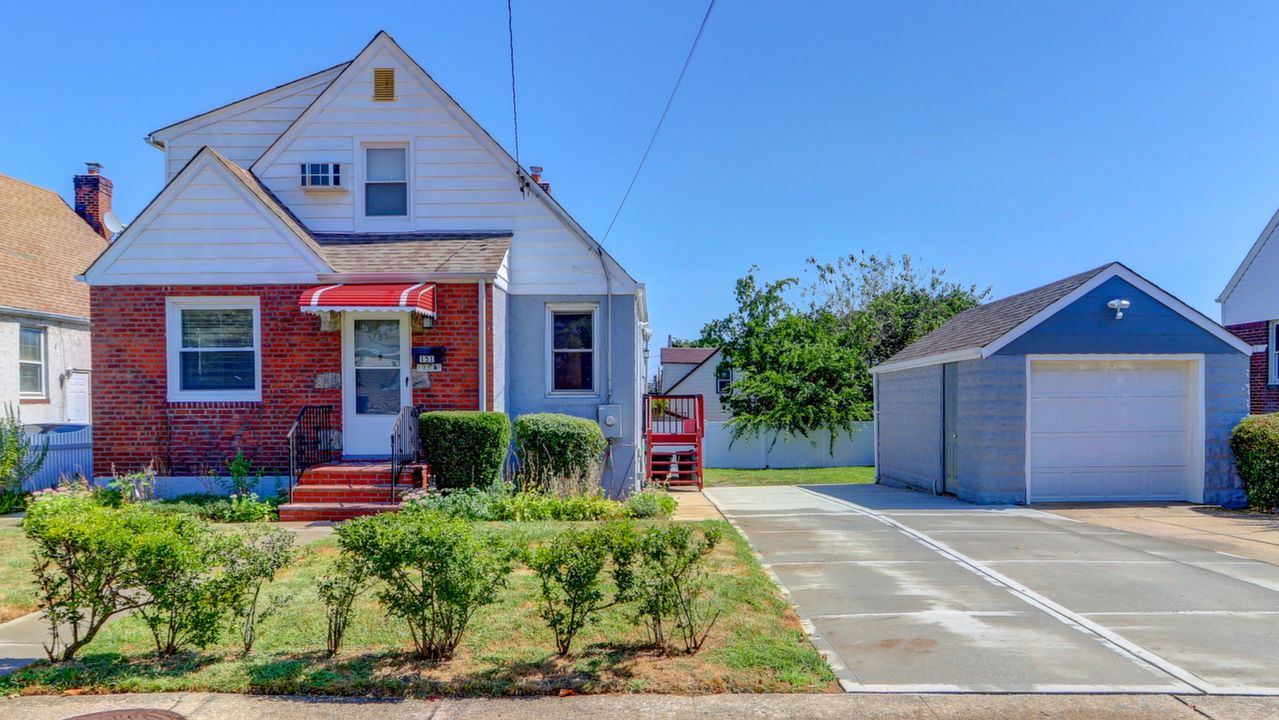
{"points": [[384, 84]]}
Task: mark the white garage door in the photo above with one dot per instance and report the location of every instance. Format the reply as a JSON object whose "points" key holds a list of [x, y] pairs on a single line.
{"points": [[1104, 431]]}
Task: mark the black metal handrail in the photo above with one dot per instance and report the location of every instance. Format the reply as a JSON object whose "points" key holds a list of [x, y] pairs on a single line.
{"points": [[312, 441], [406, 444]]}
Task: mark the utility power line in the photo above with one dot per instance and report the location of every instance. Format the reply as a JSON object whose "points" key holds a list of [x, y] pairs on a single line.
{"points": [[515, 114], [701, 29]]}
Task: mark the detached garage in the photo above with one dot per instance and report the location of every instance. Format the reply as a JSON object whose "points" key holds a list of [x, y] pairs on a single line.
{"points": [[1099, 387]]}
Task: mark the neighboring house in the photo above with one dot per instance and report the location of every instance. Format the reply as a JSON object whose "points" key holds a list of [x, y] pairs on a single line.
{"points": [[1250, 309], [44, 312], [351, 239], [1053, 395], [696, 371]]}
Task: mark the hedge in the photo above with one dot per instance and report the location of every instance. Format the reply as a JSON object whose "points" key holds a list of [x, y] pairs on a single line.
{"points": [[465, 448], [1255, 443], [559, 453]]}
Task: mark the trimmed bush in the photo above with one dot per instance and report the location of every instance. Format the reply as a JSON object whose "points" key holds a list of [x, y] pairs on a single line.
{"points": [[651, 503], [465, 448], [570, 569], [559, 454], [1255, 443]]}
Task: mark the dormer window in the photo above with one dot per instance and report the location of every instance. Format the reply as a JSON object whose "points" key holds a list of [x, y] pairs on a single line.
{"points": [[386, 185], [322, 176]]}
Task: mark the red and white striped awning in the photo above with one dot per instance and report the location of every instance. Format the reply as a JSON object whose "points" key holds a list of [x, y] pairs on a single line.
{"points": [[419, 298]]}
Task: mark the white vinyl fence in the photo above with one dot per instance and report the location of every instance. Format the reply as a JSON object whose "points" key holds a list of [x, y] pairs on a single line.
{"points": [[70, 453], [857, 448]]}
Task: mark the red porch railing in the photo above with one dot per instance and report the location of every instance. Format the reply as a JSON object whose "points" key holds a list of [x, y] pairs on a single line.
{"points": [[673, 430]]}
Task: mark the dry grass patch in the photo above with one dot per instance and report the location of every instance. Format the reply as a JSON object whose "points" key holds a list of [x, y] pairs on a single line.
{"points": [[756, 646]]}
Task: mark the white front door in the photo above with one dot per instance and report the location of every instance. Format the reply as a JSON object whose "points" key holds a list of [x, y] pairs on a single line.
{"points": [[1112, 430], [78, 397], [375, 380]]}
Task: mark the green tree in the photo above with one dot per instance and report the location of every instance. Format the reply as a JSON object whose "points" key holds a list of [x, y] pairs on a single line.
{"points": [[801, 369]]}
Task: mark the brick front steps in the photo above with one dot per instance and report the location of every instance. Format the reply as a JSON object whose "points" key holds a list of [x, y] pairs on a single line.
{"points": [[341, 491]]}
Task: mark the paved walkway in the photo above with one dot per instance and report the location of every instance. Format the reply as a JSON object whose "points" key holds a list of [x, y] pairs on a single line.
{"points": [[207, 706], [22, 639], [906, 592], [693, 505]]}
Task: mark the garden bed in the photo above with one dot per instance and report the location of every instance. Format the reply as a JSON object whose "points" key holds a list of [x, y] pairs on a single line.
{"points": [[756, 646]]}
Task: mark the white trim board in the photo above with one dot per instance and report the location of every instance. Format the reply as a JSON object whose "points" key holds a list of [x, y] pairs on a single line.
{"points": [[1111, 271], [1253, 252]]}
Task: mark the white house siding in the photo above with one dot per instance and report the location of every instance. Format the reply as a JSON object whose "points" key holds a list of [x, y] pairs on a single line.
{"points": [[500, 386], [208, 232], [242, 135], [66, 350], [673, 373], [701, 381], [457, 183], [1256, 296]]}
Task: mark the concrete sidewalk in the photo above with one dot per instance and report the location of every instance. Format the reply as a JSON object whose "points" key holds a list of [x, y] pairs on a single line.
{"points": [[1246, 534], [209, 706]]}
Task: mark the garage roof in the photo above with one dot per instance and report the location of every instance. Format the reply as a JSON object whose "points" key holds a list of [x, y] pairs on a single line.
{"points": [[983, 330]]}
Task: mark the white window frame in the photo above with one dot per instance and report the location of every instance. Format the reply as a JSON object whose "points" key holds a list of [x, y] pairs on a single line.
{"points": [[1272, 354], [721, 384], [551, 310], [334, 177], [43, 394], [173, 307], [382, 222]]}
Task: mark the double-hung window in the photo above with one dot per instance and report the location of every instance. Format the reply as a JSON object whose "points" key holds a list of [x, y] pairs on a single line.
{"points": [[214, 349], [723, 376], [571, 341], [31, 363], [386, 184]]}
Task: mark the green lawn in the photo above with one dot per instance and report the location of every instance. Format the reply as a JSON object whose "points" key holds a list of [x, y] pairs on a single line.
{"points": [[17, 589], [756, 646], [798, 476]]}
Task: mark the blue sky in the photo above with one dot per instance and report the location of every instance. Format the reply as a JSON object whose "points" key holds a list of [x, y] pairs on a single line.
{"points": [[1010, 143]]}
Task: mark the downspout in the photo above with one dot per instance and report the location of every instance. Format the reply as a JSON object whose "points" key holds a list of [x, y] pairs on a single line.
{"points": [[608, 345], [483, 321]]}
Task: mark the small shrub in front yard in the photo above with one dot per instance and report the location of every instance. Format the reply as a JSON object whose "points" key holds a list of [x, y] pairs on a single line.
{"points": [[435, 572], [559, 455], [251, 563], [672, 586], [465, 448], [345, 582], [20, 458], [220, 508], [1255, 443], [570, 569], [651, 503]]}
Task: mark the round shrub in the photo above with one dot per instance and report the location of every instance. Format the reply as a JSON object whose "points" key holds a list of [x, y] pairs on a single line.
{"points": [[465, 448], [559, 454], [1255, 443]]}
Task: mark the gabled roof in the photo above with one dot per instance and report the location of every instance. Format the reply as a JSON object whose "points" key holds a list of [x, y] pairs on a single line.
{"points": [[326, 76], [686, 355], [383, 41], [207, 157], [1255, 250], [984, 330], [43, 246], [714, 352]]}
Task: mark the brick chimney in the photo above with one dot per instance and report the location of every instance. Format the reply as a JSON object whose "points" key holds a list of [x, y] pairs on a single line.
{"points": [[536, 172], [93, 198]]}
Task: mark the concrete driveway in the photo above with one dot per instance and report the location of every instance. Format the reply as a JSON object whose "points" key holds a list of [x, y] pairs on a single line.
{"points": [[906, 592]]}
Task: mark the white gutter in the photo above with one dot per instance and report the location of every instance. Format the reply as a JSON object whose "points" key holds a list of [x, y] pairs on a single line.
{"points": [[939, 359], [42, 315]]}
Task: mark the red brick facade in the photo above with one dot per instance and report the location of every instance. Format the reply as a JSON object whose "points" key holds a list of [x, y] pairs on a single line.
{"points": [[134, 423], [1263, 397]]}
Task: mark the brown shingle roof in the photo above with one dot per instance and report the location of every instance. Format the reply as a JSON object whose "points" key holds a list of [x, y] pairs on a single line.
{"points": [[984, 324], [689, 355], [414, 253], [43, 246]]}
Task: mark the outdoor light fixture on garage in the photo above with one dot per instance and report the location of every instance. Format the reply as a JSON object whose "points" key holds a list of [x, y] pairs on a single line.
{"points": [[1119, 306]]}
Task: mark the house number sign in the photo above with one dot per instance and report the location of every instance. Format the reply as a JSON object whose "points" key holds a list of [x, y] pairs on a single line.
{"points": [[428, 359]]}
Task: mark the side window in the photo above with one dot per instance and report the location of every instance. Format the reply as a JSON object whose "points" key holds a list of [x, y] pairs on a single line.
{"points": [[31, 367], [386, 185], [572, 349], [1273, 353], [723, 376], [213, 349]]}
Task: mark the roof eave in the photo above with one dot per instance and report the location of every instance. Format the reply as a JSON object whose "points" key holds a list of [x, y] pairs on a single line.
{"points": [[927, 360]]}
